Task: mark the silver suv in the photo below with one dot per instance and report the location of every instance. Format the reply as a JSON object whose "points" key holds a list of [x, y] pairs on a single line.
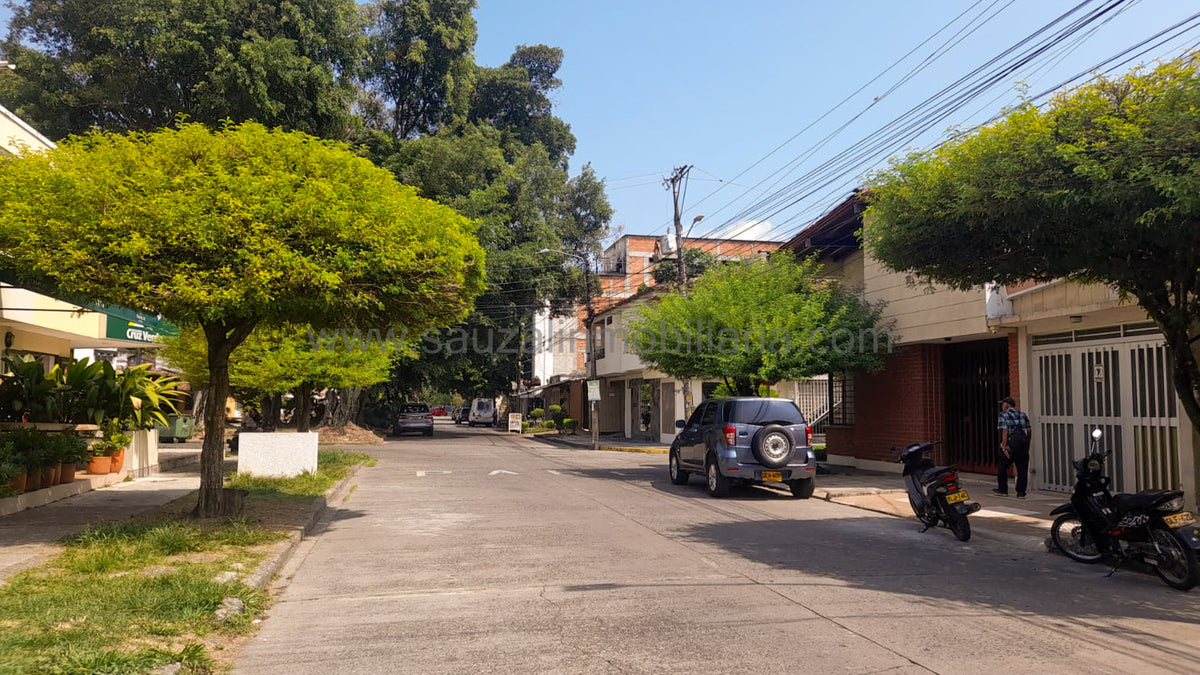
{"points": [[745, 440]]}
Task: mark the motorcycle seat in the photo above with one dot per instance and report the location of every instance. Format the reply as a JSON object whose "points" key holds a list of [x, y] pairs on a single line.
{"points": [[1141, 501], [936, 472]]}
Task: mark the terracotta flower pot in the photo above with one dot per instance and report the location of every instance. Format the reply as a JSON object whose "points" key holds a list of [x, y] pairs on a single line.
{"points": [[33, 479], [18, 484], [66, 472], [118, 461], [50, 476], [99, 465]]}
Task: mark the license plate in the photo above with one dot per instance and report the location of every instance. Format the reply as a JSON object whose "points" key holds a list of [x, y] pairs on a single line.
{"points": [[776, 476], [1179, 519], [956, 497]]}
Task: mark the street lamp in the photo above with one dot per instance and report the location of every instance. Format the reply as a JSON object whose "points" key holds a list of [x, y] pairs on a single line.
{"points": [[590, 345]]}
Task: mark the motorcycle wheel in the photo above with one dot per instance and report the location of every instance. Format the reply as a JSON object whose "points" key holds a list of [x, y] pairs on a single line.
{"points": [[957, 522], [1177, 568], [1072, 538], [921, 515]]}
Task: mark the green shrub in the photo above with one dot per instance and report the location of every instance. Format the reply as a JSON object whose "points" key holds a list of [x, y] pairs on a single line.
{"points": [[570, 424], [537, 414], [524, 427], [549, 424]]}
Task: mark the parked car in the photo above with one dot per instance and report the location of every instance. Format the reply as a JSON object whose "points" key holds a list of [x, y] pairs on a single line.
{"points": [[413, 417], [483, 411], [745, 440], [439, 411], [458, 415]]}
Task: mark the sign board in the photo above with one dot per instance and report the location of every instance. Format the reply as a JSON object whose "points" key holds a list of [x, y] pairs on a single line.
{"points": [[1098, 372], [593, 390], [514, 422]]}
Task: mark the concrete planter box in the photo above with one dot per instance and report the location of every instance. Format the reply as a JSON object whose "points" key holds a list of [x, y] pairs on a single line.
{"points": [[277, 455]]}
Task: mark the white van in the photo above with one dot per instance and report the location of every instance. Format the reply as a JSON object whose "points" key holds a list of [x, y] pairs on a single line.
{"points": [[483, 411]]}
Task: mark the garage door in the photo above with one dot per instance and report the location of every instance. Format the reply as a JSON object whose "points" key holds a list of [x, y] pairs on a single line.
{"points": [[1119, 380]]}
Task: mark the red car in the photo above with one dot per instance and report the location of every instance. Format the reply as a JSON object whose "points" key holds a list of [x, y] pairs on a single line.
{"points": [[439, 411]]}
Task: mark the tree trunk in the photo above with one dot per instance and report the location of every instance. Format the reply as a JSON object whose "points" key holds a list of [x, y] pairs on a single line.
{"points": [[270, 414], [198, 401], [744, 386], [222, 340], [342, 406], [303, 395]]}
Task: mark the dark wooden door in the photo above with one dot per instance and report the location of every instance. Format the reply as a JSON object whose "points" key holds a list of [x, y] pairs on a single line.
{"points": [[976, 375]]}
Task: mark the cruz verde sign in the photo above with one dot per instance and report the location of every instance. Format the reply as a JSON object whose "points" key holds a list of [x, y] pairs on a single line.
{"points": [[126, 324]]}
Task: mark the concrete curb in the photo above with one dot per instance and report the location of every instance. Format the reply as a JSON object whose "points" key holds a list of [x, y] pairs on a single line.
{"points": [[82, 483], [262, 576]]}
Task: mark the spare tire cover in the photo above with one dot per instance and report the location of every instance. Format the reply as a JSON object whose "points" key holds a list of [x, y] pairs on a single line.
{"points": [[773, 446]]}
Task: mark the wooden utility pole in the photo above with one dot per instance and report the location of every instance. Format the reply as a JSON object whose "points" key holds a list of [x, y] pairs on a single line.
{"points": [[672, 182]]}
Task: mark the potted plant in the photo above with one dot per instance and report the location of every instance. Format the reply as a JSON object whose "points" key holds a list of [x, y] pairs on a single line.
{"points": [[113, 445], [72, 454], [12, 469]]}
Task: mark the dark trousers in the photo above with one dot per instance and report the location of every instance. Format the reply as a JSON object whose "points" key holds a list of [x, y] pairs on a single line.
{"points": [[1020, 458]]}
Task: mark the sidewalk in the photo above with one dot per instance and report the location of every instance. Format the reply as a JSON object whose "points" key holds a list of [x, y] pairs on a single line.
{"points": [[610, 442], [27, 538], [1023, 523]]}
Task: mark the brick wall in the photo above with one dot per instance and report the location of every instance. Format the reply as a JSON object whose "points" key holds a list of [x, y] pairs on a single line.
{"points": [[1014, 369], [899, 405]]}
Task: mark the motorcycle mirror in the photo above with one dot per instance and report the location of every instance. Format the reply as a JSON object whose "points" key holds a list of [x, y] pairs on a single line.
{"points": [[1096, 433]]}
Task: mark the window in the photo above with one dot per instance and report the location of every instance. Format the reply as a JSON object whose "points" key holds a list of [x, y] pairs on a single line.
{"points": [[708, 413], [695, 418], [841, 399], [764, 411]]}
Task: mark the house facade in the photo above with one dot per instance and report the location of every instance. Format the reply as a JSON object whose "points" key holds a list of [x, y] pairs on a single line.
{"points": [[1074, 356], [559, 348]]}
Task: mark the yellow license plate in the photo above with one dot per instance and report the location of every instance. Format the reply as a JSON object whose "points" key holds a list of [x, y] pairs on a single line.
{"points": [[956, 497], [776, 476], [1179, 519]]}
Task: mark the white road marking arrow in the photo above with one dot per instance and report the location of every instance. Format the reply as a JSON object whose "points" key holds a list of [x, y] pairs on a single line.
{"points": [[499, 471], [554, 472], [422, 474]]}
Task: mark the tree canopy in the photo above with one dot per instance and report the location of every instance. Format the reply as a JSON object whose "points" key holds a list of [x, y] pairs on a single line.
{"points": [[139, 64], [755, 321], [1101, 185], [232, 229], [421, 65]]}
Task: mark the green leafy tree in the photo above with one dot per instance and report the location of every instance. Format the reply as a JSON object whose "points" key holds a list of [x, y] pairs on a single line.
{"points": [[138, 64], [756, 321], [1102, 185], [515, 98], [234, 229], [696, 262], [421, 63], [524, 202]]}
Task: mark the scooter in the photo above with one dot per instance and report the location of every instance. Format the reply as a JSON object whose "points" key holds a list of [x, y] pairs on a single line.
{"points": [[1149, 526], [934, 493]]}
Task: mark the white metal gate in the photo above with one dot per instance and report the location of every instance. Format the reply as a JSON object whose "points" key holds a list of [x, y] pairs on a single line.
{"points": [[1117, 379]]}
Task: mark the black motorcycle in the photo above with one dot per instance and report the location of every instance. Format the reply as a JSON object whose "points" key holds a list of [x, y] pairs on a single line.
{"points": [[934, 492], [1149, 526]]}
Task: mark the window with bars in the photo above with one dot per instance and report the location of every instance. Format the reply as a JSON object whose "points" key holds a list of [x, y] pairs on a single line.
{"points": [[841, 399]]}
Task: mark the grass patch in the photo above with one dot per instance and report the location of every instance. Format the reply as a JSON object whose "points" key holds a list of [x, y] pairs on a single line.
{"points": [[332, 466], [129, 597]]}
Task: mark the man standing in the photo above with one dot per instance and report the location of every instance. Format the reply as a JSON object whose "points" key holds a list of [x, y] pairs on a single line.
{"points": [[1014, 446]]}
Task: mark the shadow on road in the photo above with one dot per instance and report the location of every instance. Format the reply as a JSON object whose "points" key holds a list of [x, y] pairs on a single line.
{"points": [[660, 480], [892, 556]]}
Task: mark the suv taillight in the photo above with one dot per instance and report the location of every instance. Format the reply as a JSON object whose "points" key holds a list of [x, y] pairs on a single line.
{"points": [[808, 435], [731, 436]]}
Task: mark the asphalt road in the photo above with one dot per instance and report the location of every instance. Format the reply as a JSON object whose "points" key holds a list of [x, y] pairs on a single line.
{"points": [[473, 551]]}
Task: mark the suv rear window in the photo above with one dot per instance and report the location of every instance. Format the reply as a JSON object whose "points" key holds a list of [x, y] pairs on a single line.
{"points": [[766, 411], [414, 408]]}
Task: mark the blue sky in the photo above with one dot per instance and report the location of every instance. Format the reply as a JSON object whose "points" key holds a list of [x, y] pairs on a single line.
{"points": [[718, 85], [654, 84]]}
